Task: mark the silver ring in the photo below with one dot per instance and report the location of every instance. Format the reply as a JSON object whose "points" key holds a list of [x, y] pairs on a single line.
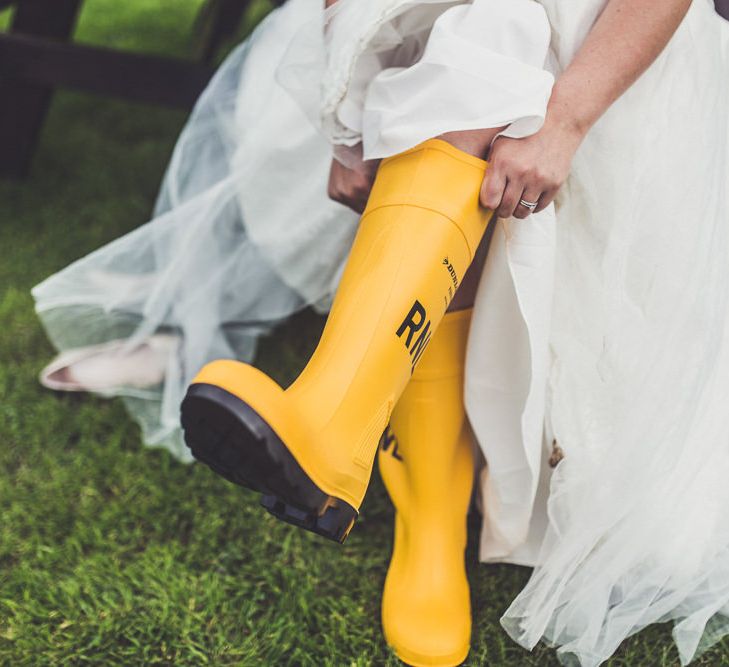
{"points": [[531, 205]]}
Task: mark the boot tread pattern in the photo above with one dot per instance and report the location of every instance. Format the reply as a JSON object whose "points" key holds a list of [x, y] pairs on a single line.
{"points": [[230, 437]]}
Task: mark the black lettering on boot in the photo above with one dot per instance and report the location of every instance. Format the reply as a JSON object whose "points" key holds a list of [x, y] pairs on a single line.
{"points": [[417, 347], [389, 439], [416, 351], [410, 323]]}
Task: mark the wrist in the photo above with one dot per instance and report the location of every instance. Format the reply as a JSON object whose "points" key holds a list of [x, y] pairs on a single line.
{"points": [[568, 114], [571, 130]]}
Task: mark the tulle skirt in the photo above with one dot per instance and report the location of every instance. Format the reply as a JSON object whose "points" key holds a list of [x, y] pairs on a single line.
{"points": [[242, 236], [601, 332]]}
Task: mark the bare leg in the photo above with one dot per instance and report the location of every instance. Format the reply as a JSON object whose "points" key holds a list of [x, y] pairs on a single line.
{"points": [[466, 293], [475, 142]]}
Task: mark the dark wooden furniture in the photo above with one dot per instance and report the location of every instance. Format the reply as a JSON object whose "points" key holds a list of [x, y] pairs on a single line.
{"points": [[38, 55]]}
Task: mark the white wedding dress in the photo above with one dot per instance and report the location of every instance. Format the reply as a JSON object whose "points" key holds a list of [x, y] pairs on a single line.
{"points": [[599, 326]]}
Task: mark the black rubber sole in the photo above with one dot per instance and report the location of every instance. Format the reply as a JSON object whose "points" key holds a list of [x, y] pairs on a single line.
{"points": [[229, 436]]}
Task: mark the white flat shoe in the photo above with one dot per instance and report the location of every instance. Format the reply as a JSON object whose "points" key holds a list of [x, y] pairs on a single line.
{"points": [[103, 368]]}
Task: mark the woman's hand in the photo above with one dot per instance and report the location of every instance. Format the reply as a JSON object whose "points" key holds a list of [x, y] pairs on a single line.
{"points": [[619, 47], [623, 42], [532, 169], [351, 185]]}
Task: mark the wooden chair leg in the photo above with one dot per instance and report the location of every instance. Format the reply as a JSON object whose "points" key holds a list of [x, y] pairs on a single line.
{"points": [[23, 105], [217, 21]]}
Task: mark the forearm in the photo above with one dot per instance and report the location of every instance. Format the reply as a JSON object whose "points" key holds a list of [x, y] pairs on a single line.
{"points": [[526, 174], [627, 37]]}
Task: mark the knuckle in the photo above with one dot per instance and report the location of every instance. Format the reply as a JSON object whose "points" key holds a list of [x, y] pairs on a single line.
{"points": [[487, 200], [505, 202], [546, 178], [491, 193], [541, 175], [493, 197], [521, 170], [509, 166]]}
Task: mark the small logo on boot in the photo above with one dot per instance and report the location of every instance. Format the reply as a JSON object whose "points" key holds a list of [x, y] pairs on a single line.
{"points": [[388, 443], [452, 271]]}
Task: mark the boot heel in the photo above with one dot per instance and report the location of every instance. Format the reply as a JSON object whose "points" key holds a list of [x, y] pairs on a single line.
{"points": [[333, 521], [232, 439]]}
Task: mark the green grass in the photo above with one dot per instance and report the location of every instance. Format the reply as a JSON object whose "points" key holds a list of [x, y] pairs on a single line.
{"points": [[113, 554]]}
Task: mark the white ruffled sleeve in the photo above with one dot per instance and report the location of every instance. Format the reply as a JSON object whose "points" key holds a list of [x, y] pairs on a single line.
{"points": [[482, 67], [392, 73]]}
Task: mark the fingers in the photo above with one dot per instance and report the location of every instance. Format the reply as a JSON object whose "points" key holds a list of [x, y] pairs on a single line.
{"points": [[546, 199], [531, 168], [502, 189], [349, 187], [502, 193], [530, 194], [492, 188], [510, 200], [357, 202]]}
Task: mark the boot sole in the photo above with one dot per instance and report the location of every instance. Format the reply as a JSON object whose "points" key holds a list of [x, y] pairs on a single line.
{"points": [[229, 436]]}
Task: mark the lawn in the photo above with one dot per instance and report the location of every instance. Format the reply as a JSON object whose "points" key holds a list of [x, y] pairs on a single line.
{"points": [[114, 554]]}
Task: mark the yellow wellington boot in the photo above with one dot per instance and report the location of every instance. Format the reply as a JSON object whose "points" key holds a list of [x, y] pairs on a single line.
{"points": [[310, 449], [426, 461]]}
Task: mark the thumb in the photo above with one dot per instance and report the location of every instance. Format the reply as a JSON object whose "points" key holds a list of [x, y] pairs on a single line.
{"points": [[492, 188]]}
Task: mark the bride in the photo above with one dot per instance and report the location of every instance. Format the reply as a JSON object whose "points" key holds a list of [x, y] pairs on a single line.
{"points": [[597, 359]]}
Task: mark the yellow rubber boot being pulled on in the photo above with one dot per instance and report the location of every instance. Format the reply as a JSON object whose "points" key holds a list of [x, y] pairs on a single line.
{"points": [[310, 449], [426, 461]]}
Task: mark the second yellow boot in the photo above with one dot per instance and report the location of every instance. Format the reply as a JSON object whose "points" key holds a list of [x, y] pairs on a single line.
{"points": [[310, 448], [426, 462]]}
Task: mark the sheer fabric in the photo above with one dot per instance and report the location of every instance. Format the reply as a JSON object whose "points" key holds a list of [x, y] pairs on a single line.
{"points": [[243, 235], [603, 331]]}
